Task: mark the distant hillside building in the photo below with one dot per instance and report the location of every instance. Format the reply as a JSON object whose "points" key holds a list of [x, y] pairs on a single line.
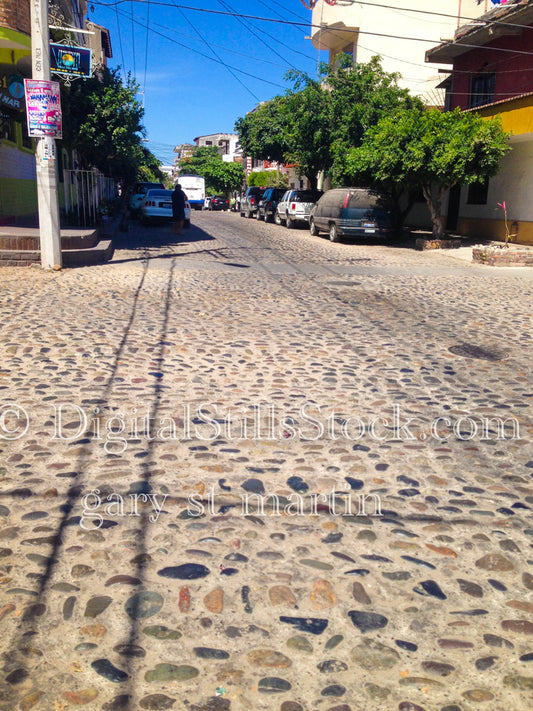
{"points": [[227, 144]]}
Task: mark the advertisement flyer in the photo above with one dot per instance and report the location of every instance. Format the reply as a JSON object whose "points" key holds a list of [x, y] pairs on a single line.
{"points": [[43, 108]]}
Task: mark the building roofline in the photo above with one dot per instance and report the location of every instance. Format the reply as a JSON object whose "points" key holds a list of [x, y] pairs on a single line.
{"points": [[500, 102], [486, 28]]}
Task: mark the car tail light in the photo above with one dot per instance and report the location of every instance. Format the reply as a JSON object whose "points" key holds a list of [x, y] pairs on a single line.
{"points": [[293, 206]]}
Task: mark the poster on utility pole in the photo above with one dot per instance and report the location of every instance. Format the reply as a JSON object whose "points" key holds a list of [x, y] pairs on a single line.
{"points": [[43, 108]]}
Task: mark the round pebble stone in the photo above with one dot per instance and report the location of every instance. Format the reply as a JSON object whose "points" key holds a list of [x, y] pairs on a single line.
{"points": [[268, 658], [210, 653], [118, 703], [332, 666], [300, 643], [367, 621], [334, 641], [109, 671], [171, 672], [143, 604], [409, 646], [410, 706], [273, 685], [161, 632], [96, 605], [453, 707], [291, 706], [157, 702], [478, 695], [133, 651], [333, 690], [187, 571]]}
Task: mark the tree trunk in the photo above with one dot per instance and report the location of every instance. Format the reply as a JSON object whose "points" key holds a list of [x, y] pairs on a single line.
{"points": [[313, 180], [434, 203]]}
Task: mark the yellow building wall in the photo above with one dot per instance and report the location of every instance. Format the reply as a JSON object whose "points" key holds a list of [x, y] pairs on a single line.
{"points": [[17, 197]]}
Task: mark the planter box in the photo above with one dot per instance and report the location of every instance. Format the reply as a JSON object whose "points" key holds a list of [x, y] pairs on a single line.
{"points": [[503, 257]]}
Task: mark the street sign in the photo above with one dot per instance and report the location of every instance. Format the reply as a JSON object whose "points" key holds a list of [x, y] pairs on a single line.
{"points": [[43, 108], [71, 61]]}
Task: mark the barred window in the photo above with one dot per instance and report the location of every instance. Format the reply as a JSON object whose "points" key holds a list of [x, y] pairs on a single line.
{"points": [[8, 129]]}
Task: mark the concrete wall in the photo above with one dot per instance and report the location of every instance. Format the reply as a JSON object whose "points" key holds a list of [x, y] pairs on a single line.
{"points": [[18, 191], [512, 184], [399, 55]]}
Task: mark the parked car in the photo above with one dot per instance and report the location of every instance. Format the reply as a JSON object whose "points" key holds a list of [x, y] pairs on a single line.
{"points": [[268, 204], [157, 206], [250, 201], [356, 212], [295, 206], [219, 202], [139, 193]]}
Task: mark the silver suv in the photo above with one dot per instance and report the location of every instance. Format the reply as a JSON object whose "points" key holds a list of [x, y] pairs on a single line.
{"points": [[295, 206], [250, 201]]}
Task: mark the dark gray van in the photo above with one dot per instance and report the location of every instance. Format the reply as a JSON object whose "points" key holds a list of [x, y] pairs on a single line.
{"points": [[354, 212]]}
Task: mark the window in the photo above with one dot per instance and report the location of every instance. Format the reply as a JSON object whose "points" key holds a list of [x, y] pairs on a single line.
{"points": [[26, 140], [209, 143], [482, 89], [478, 193], [8, 129]]}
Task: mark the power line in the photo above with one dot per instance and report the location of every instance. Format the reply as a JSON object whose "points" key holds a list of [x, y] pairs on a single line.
{"points": [[216, 55], [133, 37], [146, 51], [307, 24], [202, 54], [120, 43], [360, 32], [254, 33]]}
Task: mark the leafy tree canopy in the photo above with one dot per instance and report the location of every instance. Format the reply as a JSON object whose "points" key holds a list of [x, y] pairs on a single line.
{"points": [[102, 121], [220, 177], [267, 179], [429, 150], [316, 121]]}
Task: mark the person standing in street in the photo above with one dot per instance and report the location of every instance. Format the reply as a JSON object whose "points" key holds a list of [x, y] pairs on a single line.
{"points": [[178, 209]]}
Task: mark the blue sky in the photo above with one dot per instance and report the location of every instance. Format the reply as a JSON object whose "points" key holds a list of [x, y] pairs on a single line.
{"points": [[186, 93]]}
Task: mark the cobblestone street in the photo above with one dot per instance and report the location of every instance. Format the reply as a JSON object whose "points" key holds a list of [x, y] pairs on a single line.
{"points": [[266, 472]]}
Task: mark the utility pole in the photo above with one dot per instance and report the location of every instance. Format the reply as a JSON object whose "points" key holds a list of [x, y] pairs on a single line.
{"points": [[49, 230]]}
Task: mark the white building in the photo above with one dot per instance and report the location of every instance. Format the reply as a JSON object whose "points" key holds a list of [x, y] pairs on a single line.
{"points": [[227, 145], [400, 36]]}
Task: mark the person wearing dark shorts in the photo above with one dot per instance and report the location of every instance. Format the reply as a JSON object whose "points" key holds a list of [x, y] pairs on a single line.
{"points": [[178, 209]]}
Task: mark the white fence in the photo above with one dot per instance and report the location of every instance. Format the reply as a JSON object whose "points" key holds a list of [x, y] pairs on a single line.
{"points": [[84, 191]]}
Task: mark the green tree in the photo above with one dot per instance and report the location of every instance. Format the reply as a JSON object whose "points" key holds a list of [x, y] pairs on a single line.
{"points": [[220, 177], [263, 132], [361, 95], [316, 122], [103, 123], [267, 178], [431, 151], [308, 116]]}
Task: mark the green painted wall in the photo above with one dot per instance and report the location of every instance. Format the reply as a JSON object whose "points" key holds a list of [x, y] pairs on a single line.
{"points": [[17, 197]]}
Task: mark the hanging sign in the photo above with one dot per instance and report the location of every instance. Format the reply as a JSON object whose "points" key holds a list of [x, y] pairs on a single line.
{"points": [[72, 61], [43, 108], [12, 92]]}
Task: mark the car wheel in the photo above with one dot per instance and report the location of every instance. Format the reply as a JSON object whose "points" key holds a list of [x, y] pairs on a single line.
{"points": [[277, 219], [289, 222], [334, 233], [268, 217], [248, 213], [258, 216], [312, 228]]}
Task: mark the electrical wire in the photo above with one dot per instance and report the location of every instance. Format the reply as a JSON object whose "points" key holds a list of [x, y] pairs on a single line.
{"points": [[255, 34], [210, 48], [202, 54], [361, 32], [146, 51], [120, 43], [133, 37], [307, 24]]}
